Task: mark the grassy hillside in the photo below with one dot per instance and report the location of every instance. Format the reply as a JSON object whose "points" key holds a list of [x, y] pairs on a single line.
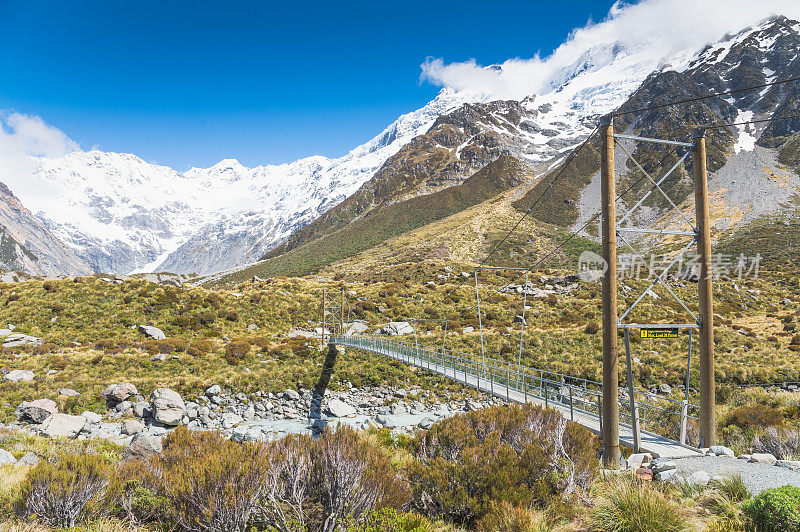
{"points": [[387, 222]]}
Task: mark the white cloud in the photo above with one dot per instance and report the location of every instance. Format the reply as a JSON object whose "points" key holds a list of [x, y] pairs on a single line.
{"points": [[656, 28], [22, 137]]}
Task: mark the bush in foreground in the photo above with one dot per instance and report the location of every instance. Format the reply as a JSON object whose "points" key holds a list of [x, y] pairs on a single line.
{"points": [[524, 455], [58, 493], [629, 505], [505, 517], [774, 510]]}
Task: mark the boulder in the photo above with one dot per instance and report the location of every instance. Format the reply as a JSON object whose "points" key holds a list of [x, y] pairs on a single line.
{"points": [[142, 446], [19, 339], [385, 421], [62, 426], [68, 392], [338, 408], [721, 450], [168, 406], [29, 459], [397, 328], [664, 389], [291, 395], [152, 332], [18, 375], [6, 458], [131, 427], [213, 390], [763, 458], [36, 411], [92, 417], [792, 465], [427, 423], [661, 464], [229, 419], [357, 327], [252, 327], [158, 358], [666, 475], [635, 461], [116, 393]]}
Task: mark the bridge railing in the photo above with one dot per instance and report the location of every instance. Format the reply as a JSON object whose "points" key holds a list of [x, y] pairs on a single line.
{"points": [[668, 417]]}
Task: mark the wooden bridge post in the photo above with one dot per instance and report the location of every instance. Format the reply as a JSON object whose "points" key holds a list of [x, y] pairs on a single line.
{"points": [[708, 429], [609, 289]]}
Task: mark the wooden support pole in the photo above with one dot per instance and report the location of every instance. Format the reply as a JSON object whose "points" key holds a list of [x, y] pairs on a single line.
{"points": [[708, 429], [609, 242]]}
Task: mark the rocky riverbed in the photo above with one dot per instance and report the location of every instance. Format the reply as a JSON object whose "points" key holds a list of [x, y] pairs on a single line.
{"points": [[257, 416]]}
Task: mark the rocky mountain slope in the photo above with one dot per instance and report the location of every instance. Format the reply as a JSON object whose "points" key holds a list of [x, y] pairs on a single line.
{"points": [[27, 245]]}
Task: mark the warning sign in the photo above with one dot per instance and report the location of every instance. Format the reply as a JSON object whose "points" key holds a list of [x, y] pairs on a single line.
{"points": [[667, 332]]}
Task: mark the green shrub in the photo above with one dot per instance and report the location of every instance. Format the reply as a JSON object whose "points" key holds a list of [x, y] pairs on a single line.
{"points": [[58, 493], [774, 510], [390, 520], [525, 455], [629, 505], [236, 351]]}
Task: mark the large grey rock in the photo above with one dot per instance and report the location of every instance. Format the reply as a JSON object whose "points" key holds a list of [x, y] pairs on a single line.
{"points": [[763, 458], [338, 408], [131, 427], [397, 328], [792, 465], [229, 419], [62, 426], [92, 417], [19, 339], [660, 464], [721, 450], [357, 327], [427, 423], [142, 446], [68, 392], [152, 332], [291, 395], [386, 421], [213, 390], [168, 406], [666, 475], [6, 458], [116, 393], [29, 459], [18, 375], [36, 411]]}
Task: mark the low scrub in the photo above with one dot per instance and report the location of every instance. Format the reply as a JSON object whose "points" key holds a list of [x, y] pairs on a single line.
{"points": [[524, 455], [774, 510], [59, 494], [505, 517]]}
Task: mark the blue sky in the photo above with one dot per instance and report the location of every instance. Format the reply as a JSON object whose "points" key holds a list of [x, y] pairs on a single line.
{"points": [[189, 83]]}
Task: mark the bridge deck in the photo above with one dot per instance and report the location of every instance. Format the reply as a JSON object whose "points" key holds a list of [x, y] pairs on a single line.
{"points": [[649, 442]]}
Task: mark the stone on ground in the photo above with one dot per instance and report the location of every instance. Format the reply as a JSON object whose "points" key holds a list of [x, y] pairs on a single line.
{"points": [[92, 417], [152, 332], [29, 459], [19, 339], [6, 458], [763, 458], [291, 395], [142, 446], [116, 393], [338, 408], [168, 406], [68, 392], [18, 375], [131, 427], [36, 411], [62, 426], [721, 450]]}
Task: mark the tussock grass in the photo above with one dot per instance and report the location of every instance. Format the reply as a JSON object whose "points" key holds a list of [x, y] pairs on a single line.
{"points": [[627, 505]]}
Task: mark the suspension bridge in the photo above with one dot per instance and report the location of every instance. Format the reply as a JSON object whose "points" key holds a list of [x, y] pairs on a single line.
{"points": [[619, 416]]}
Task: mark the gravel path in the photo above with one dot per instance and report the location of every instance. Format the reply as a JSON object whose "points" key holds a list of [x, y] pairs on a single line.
{"points": [[757, 477]]}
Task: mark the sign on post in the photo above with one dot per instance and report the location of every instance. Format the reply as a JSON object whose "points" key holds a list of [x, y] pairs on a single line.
{"points": [[666, 332]]}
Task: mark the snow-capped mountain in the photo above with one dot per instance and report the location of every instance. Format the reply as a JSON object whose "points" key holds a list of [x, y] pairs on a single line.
{"points": [[121, 214]]}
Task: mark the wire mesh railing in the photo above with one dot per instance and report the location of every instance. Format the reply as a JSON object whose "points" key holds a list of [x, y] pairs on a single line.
{"points": [[648, 412]]}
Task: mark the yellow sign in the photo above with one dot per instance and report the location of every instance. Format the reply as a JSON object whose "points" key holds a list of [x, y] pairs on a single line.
{"points": [[659, 333]]}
